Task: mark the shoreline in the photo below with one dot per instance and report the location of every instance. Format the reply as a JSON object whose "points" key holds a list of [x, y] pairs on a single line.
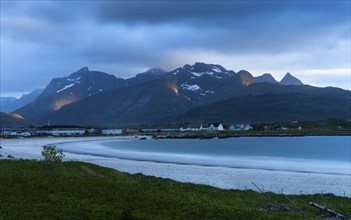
{"points": [[291, 182]]}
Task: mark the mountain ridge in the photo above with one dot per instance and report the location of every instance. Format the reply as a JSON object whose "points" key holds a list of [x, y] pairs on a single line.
{"points": [[156, 96]]}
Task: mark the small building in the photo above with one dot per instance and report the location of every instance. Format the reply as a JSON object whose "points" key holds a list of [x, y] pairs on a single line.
{"points": [[211, 128], [25, 134], [204, 127], [220, 127], [94, 131], [201, 128], [61, 130], [9, 133], [240, 127], [235, 127], [247, 127], [130, 130], [111, 131], [67, 132]]}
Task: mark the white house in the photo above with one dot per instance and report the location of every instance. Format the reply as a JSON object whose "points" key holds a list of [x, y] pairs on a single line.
{"points": [[220, 127], [111, 131], [247, 127], [211, 127], [235, 127], [203, 127]]}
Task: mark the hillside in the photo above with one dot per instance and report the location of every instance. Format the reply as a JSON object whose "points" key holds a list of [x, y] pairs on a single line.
{"points": [[62, 91], [272, 107], [12, 120], [76, 190], [151, 102]]}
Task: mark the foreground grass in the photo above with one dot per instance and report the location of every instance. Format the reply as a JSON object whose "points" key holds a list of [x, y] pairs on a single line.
{"points": [[77, 190]]}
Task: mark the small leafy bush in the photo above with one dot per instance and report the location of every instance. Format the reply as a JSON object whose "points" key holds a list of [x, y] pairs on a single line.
{"points": [[51, 157], [51, 154]]}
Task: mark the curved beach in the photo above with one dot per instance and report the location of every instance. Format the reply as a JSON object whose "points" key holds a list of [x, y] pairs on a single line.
{"points": [[92, 150]]}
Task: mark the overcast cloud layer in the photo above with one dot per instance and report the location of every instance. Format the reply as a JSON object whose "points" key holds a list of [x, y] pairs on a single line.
{"points": [[45, 39]]}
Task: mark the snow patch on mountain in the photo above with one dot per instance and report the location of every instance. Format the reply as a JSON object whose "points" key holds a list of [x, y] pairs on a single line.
{"points": [[216, 69], [202, 73], [66, 87], [194, 87], [76, 80]]}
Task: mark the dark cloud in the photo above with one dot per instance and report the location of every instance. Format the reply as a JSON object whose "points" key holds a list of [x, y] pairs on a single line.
{"points": [[234, 20], [47, 39], [230, 11]]}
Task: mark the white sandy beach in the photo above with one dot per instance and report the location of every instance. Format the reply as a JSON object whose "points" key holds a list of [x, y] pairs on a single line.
{"points": [[287, 182]]}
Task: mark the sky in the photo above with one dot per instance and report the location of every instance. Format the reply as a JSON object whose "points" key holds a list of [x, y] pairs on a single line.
{"points": [[41, 40]]}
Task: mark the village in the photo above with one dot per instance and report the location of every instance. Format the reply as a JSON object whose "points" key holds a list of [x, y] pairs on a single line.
{"points": [[73, 130]]}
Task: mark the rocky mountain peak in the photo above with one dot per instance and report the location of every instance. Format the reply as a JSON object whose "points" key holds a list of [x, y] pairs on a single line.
{"points": [[83, 69], [203, 67], [154, 71], [81, 72], [266, 77], [289, 79], [200, 69]]}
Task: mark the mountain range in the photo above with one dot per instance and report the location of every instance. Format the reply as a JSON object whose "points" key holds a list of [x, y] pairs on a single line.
{"points": [[192, 93], [8, 104]]}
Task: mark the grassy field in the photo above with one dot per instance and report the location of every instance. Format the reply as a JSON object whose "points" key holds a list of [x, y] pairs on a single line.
{"points": [[77, 190]]}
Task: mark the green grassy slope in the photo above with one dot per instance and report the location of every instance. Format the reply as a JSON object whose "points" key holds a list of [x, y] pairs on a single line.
{"points": [[272, 108], [76, 190]]}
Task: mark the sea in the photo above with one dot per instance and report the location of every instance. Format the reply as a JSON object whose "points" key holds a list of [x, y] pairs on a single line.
{"points": [[317, 154]]}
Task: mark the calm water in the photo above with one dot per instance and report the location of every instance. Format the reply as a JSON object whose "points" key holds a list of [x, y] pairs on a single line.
{"points": [[328, 154], [336, 148]]}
